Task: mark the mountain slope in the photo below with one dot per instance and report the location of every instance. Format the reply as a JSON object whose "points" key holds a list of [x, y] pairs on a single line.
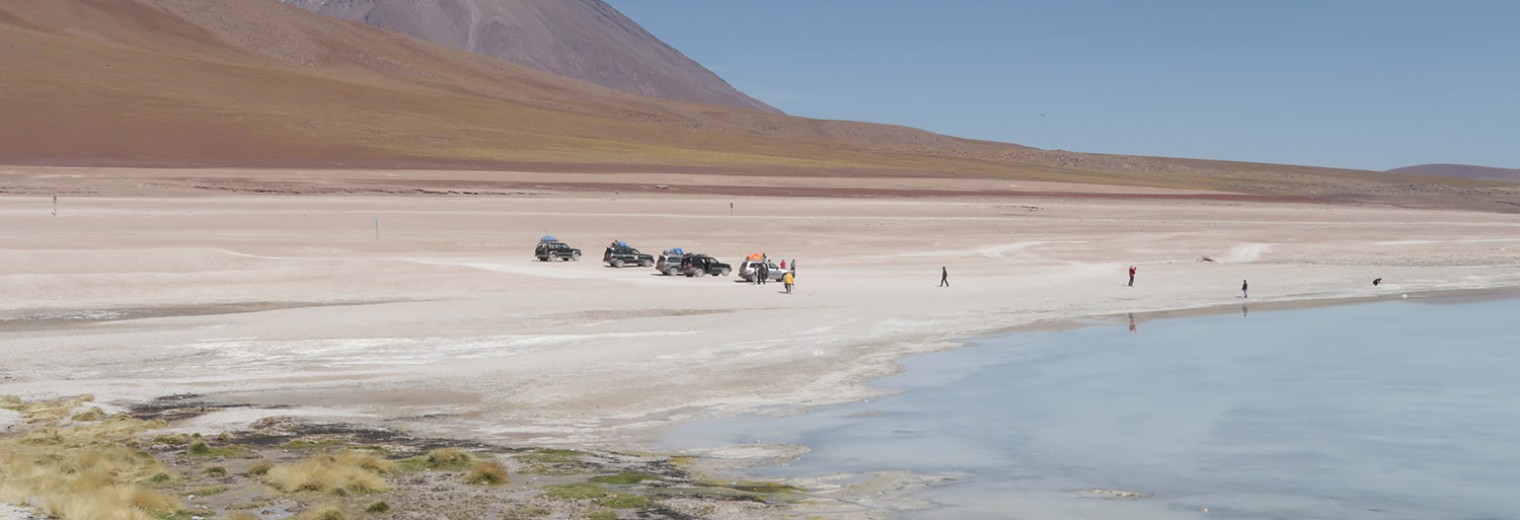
{"points": [[1461, 171], [581, 39], [259, 83], [228, 82]]}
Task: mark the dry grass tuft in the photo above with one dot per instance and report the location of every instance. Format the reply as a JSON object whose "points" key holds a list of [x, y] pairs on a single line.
{"points": [[45, 412], [329, 512], [346, 473], [82, 471], [488, 473], [91, 415], [449, 458], [260, 469], [10, 402]]}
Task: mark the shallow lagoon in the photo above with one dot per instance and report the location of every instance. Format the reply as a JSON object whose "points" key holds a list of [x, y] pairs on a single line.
{"points": [[1403, 409]]}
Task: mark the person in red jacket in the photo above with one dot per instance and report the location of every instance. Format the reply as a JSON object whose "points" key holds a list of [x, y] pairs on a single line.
{"points": [[1132, 275]]}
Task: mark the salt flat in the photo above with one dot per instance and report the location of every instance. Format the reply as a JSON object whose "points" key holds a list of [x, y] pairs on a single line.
{"points": [[290, 301]]}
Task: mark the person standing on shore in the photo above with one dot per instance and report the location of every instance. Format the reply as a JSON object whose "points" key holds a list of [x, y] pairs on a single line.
{"points": [[944, 277], [1243, 287], [1132, 276], [788, 279]]}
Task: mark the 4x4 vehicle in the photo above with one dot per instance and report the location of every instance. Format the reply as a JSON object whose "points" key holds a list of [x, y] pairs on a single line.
{"points": [[698, 264], [750, 269], [549, 250], [618, 254], [669, 260]]}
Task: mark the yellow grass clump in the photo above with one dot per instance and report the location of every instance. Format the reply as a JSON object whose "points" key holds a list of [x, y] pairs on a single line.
{"points": [[488, 473], [45, 412], [84, 471], [449, 458], [339, 474]]}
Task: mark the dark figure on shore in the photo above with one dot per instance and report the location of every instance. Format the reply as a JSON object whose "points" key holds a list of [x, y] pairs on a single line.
{"points": [[765, 272], [1243, 287], [944, 277], [1377, 281], [1132, 275]]}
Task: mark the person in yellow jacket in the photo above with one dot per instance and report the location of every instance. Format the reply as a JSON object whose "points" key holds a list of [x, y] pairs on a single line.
{"points": [[788, 279]]}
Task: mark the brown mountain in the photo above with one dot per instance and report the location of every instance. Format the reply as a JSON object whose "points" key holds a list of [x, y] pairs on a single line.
{"points": [[257, 83], [581, 39], [1461, 171]]}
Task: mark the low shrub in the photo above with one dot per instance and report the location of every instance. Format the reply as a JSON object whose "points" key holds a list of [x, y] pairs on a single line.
{"points": [[259, 469], [488, 473]]}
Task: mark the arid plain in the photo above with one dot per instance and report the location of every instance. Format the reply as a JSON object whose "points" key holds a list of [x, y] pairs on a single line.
{"points": [[445, 324]]}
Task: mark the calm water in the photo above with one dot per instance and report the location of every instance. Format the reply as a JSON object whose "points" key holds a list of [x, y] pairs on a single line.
{"points": [[1375, 411]]}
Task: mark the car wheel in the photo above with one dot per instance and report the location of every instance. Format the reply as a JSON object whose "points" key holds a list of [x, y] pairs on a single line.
{"points": [[575, 257], [617, 263], [645, 263], [723, 272]]}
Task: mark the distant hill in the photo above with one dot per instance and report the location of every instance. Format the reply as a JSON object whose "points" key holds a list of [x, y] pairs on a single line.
{"points": [[258, 83], [1461, 171], [582, 39]]}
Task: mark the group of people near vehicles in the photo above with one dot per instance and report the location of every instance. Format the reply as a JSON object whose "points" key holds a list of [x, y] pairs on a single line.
{"points": [[759, 269]]}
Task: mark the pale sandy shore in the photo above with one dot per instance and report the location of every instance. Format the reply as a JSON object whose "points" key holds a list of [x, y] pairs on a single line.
{"points": [[445, 325]]}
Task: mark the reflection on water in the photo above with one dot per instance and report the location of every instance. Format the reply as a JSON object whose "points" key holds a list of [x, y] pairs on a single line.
{"points": [[1378, 411]]}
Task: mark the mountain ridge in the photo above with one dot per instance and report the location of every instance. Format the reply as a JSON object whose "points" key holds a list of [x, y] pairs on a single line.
{"points": [[582, 39], [1461, 171]]}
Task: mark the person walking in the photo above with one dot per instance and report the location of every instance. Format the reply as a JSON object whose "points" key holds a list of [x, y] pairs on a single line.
{"points": [[944, 277], [1132, 276], [1243, 287], [788, 279], [765, 272]]}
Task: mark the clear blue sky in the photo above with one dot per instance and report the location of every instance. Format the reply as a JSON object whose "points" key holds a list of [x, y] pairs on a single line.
{"points": [[1362, 84]]}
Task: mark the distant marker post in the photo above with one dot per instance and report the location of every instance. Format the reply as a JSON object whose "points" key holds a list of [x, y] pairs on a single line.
{"points": [[730, 209], [55, 205], [377, 228]]}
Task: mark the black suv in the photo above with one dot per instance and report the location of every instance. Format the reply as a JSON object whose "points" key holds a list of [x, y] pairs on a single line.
{"points": [[619, 254], [549, 250], [697, 264]]}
